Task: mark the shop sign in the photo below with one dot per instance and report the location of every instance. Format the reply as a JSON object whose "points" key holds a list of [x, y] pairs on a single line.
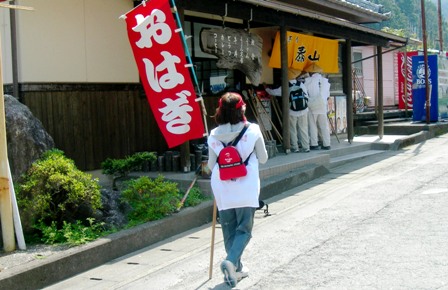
{"points": [[306, 53], [161, 61], [235, 49]]}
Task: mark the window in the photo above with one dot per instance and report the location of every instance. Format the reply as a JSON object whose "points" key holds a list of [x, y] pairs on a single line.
{"points": [[357, 63], [205, 66]]}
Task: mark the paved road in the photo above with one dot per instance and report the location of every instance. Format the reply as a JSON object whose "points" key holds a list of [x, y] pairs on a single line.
{"points": [[379, 223]]}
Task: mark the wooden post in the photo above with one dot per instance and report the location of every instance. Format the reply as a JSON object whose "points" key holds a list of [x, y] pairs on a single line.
{"points": [[347, 75], [6, 214], [285, 88], [380, 116]]}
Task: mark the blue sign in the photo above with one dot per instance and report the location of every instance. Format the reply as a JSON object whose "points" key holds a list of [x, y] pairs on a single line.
{"points": [[419, 88]]}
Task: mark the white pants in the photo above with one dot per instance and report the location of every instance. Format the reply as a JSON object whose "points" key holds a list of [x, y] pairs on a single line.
{"points": [[299, 126], [318, 123]]}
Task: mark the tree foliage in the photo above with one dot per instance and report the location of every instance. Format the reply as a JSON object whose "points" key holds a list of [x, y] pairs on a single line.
{"points": [[407, 15]]}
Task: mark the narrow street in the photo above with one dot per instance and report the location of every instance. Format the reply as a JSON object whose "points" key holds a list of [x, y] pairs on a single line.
{"points": [[377, 223]]}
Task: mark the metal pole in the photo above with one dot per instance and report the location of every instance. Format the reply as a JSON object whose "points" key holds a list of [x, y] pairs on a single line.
{"points": [[347, 74], [405, 84], [190, 61], [439, 11], [14, 59], [425, 51]]}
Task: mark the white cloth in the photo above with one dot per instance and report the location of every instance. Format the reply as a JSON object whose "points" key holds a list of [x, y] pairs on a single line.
{"points": [[298, 126], [318, 89], [318, 122], [318, 92], [244, 191]]}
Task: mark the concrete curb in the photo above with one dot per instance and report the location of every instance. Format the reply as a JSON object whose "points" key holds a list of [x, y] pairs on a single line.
{"points": [[41, 273], [412, 139]]}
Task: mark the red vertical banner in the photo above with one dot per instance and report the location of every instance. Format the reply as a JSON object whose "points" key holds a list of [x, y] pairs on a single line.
{"points": [[160, 58], [405, 79]]}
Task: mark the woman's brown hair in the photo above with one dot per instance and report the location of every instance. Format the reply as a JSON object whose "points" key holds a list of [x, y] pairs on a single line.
{"points": [[231, 109]]}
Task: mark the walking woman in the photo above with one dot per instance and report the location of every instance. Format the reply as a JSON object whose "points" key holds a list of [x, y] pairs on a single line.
{"points": [[236, 199]]}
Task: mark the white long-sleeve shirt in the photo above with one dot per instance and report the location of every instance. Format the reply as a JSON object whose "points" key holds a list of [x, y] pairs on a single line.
{"points": [[318, 89], [244, 191]]}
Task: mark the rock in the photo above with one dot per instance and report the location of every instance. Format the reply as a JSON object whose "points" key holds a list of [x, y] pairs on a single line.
{"points": [[26, 137], [113, 213]]}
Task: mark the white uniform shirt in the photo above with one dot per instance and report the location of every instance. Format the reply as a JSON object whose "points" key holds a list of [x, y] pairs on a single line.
{"points": [[318, 89]]}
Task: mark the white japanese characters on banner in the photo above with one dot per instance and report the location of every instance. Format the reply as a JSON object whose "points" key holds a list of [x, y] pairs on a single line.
{"points": [[160, 59]]}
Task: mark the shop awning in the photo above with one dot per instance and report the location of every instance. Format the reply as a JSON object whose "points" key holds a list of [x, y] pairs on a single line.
{"points": [[306, 51]]}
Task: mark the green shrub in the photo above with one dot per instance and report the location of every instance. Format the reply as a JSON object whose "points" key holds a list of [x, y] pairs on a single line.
{"points": [[71, 233], [122, 167], [54, 191], [150, 199], [119, 168], [195, 197]]}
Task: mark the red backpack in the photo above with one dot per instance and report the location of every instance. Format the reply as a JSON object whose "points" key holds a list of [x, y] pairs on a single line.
{"points": [[231, 165]]}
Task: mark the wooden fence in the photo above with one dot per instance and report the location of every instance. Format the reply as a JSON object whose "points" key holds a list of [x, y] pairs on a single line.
{"points": [[93, 122]]}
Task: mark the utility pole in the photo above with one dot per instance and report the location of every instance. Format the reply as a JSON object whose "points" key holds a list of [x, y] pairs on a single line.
{"points": [[425, 51], [6, 202], [439, 11]]}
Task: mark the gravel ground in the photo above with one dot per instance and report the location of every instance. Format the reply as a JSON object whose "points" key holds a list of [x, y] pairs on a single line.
{"points": [[21, 257], [41, 251]]}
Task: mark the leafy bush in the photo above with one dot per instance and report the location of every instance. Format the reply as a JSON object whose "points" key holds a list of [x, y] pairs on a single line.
{"points": [[55, 192], [71, 233], [150, 199], [195, 197], [122, 167]]}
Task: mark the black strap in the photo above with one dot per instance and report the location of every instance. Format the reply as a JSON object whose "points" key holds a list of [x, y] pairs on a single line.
{"points": [[247, 159], [240, 135], [237, 139]]}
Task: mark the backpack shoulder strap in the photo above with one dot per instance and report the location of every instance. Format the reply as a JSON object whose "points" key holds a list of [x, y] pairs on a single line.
{"points": [[240, 135]]}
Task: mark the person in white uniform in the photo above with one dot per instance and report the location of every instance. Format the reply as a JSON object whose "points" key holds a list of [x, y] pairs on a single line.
{"points": [[236, 199], [298, 120], [318, 89]]}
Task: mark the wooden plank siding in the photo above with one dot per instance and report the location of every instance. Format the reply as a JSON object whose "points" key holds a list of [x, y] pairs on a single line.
{"points": [[91, 124]]}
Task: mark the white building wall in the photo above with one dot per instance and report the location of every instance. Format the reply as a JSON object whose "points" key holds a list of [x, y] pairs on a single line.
{"points": [[73, 41], [369, 75]]}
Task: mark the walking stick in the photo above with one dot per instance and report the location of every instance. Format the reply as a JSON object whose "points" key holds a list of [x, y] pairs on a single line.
{"points": [[332, 129], [189, 188], [210, 272]]}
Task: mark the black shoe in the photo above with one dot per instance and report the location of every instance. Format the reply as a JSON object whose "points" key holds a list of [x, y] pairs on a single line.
{"points": [[314, 147], [326, 147]]}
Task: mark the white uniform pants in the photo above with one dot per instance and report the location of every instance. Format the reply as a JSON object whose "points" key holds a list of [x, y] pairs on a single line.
{"points": [[318, 123], [299, 126]]}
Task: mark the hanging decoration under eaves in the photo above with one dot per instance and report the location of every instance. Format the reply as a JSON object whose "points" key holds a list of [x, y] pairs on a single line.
{"points": [[306, 52], [235, 49]]}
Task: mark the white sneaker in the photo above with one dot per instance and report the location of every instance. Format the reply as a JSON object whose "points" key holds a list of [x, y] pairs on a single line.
{"points": [[230, 275], [241, 275]]}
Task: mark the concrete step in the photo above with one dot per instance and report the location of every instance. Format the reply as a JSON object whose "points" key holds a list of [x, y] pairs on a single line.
{"points": [[343, 159]]}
